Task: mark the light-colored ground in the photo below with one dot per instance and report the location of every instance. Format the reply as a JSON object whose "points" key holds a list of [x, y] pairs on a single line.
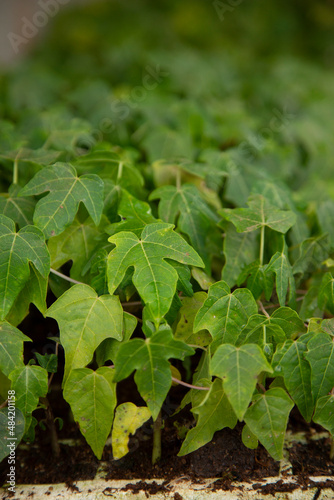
{"points": [[102, 489]]}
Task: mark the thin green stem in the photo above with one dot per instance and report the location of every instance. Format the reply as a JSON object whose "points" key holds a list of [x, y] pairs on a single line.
{"points": [[120, 170], [67, 278], [156, 452], [178, 179], [331, 453], [52, 374], [263, 308], [50, 422], [199, 388], [262, 245], [16, 168]]}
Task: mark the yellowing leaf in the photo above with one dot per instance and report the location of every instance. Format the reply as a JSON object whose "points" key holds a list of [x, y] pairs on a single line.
{"points": [[128, 418]]}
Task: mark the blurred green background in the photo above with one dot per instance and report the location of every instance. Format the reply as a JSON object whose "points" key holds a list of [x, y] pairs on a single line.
{"points": [[226, 77]]}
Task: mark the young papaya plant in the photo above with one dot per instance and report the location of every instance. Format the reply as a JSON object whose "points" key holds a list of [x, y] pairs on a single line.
{"points": [[184, 237]]}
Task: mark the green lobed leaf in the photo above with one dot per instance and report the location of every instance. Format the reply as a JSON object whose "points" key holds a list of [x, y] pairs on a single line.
{"points": [[214, 413], [260, 213], [309, 306], [31, 157], [326, 293], [279, 265], [108, 349], [239, 251], [289, 321], [224, 313], [17, 250], [258, 280], [325, 214], [112, 196], [30, 383], [184, 329], [33, 292], [313, 251], [194, 217], [128, 418], [76, 243], [203, 279], [297, 374], [11, 348], [267, 418], [314, 326], [85, 320], [48, 361], [5, 432], [283, 324], [19, 209], [201, 378], [98, 269], [135, 215], [184, 275], [239, 367], [153, 277], [149, 359], [327, 326], [262, 331], [324, 413], [320, 355], [64, 132], [275, 191], [92, 397], [248, 438], [110, 165], [57, 210]]}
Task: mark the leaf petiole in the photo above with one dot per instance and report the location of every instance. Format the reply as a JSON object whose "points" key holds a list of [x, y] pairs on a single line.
{"points": [[262, 245]]}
